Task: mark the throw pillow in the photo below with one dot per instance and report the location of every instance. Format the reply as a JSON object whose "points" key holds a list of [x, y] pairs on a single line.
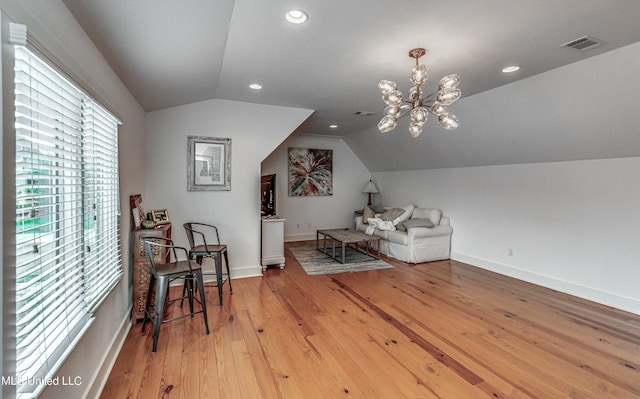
{"points": [[411, 223], [391, 214], [367, 213], [408, 210]]}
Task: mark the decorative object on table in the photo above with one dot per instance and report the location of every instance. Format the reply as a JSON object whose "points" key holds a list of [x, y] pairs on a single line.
{"points": [[315, 262], [310, 172], [160, 216], [137, 211], [268, 195], [417, 105], [370, 188], [148, 224], [208, 164]]}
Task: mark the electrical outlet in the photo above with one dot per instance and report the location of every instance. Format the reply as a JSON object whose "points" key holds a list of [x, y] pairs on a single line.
{"points": [[510, 251], [298, 225], [309, 225]]}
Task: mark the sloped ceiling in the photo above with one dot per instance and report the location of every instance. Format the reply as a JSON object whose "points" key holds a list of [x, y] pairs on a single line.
{"points": [[586, 110], [173, 52]]}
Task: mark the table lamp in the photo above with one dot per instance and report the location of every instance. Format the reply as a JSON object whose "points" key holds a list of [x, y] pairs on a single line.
{"points": [[370, 188]]}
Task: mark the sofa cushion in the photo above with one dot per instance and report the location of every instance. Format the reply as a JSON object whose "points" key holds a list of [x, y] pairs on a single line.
{"points": [[367, 213], [432, 214], [397, 237], [411, 223]]}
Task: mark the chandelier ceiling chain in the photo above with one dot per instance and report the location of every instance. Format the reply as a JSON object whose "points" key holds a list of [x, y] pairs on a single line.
{"points": [[414, 104]]}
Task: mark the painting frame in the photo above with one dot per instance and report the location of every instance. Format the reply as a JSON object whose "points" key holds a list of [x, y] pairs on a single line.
{"points": [[208, 164], [160, 216], [310, 172]]}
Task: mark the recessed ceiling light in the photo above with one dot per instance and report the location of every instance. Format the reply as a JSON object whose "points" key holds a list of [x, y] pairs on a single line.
{"points": [[510, 69], [333, 126], [297, 16], [255, 86]]}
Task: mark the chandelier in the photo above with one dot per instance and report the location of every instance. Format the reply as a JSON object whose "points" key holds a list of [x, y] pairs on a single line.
{"points": [[417, 106]]}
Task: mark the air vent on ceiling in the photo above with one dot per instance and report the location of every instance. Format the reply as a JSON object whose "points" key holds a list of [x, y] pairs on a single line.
{"points": [[585, 43], [364, 113]]}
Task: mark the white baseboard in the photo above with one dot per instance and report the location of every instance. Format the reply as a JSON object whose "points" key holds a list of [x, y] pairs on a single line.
{"points": [[110, 357], [300, 237], [246, 271], [591, 294]]}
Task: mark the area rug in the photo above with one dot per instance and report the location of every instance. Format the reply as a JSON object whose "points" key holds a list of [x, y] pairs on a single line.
{"points": [[314, 262]]}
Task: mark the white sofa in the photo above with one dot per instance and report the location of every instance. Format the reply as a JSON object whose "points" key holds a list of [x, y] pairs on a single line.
{"points": [[417, 244]]}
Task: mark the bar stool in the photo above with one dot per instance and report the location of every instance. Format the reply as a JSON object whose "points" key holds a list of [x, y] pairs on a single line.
{"points": [[201, 248], [164, 273]]}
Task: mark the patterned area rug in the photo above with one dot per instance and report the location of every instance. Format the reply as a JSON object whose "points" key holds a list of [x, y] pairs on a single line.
{"points": [[315, 262]]}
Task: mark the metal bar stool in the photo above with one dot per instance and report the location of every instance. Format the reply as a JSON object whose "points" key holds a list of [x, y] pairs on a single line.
{"points": [[162, 274], [201, 248]]}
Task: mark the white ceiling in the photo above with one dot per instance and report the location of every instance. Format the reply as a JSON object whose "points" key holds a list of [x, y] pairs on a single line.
{"points": [[174, 52]]}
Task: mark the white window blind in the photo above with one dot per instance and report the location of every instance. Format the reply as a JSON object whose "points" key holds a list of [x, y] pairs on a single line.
{"points": [[102, 203], [67, 216]]}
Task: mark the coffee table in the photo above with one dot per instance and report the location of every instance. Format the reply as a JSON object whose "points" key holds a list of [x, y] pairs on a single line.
{"points": [[346, 238]]}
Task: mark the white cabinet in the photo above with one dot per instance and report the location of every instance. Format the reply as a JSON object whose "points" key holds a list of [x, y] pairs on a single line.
{"points": [[272, 242]]}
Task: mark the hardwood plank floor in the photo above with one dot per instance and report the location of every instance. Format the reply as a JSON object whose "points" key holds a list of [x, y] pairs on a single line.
{"points": [[433, 330]]}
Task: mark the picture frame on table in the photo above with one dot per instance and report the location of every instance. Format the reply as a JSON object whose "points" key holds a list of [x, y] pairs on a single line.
{"points": [[208, 164], [160, 216], [137, 210]]}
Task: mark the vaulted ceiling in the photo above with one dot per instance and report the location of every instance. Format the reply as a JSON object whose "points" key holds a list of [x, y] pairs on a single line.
{"points": [[175, 52]]}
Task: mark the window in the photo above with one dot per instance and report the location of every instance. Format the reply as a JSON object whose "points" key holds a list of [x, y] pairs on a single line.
{"points": [[67, 216]]}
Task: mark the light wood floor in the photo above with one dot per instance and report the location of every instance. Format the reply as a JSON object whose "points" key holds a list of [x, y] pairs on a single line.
{"points": [[433, 330]]}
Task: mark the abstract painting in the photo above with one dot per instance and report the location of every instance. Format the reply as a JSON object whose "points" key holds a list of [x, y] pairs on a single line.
{"points": [[310, 172]]}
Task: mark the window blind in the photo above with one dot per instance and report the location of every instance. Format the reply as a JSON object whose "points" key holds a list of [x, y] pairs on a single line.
{"points": [[102, 202], [67, 216]]}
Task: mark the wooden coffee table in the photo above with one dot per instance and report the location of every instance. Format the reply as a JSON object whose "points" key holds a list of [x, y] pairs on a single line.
{"points": [[346, 238]]}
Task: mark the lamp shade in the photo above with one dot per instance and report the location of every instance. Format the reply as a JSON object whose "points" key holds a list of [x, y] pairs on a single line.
{"points": [[370, 188]]}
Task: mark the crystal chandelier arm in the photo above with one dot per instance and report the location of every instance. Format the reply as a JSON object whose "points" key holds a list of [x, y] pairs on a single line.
{"points": [[430, 97], [405, 109]]}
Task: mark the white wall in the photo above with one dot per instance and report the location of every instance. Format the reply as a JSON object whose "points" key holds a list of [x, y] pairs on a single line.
{"points": [[255, 130], [571, 226], [54, 27], [305, 215]]}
